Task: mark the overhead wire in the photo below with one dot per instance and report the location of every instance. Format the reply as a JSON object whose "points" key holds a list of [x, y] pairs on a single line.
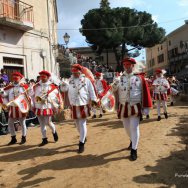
{"points": [[123, 27]]}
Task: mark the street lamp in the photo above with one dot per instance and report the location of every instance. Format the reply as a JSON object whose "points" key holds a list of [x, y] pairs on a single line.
{"points": [[43, 55], [66, 38]]}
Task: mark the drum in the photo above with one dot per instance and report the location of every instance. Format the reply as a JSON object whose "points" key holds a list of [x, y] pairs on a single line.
{"points": [[108, 102]]}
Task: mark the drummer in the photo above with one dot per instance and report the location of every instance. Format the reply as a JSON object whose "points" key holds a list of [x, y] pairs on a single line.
{"points": [[102, 88], [43, 96], [134, 96], [11, 92], [80, 92]]}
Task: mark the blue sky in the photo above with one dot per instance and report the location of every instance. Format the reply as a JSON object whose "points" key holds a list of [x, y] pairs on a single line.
{"points": [[169, 14]]}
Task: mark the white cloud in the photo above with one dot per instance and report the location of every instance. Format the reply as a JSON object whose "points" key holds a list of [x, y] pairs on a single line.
{"points": [[182, 3]]}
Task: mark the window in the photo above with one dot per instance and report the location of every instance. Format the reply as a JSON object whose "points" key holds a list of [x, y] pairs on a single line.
{"points": [[152, 62], [173, 53], [160, 58], [169, 42], [9, 60]]}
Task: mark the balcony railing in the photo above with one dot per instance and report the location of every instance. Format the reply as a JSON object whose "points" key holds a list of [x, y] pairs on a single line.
{"points": [[15, 13]]}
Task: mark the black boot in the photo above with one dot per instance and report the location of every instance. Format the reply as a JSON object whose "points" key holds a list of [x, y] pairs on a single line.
{"points": [[171, 104], [130, 146], [13, 140], [159, 118], [94, 116], [44, 142], [23, 140], [55, 135], [147, 117], [100, 116], [133, 154], [81, 147], [166, 115]]}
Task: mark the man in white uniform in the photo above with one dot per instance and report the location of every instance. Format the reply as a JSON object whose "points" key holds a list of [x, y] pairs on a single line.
{"points": [[80, 93], [160, 85], [46, 99], [102, 88], [133, 95], [10, 93]]}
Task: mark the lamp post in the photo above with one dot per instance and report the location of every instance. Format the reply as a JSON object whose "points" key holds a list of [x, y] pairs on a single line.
{"points": [[66, 38], [43, 55]]}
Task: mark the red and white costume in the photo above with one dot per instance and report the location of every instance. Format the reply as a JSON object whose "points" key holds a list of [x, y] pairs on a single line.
{"points": [[101, 86], [80, 93], [45, 109], [101, 89], [133, 96], [10, 93], [161, 85], [52, 97], [173, 90]]}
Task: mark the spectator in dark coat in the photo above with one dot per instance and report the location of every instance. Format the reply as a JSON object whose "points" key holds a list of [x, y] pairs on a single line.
{"points": [[4, 76]]}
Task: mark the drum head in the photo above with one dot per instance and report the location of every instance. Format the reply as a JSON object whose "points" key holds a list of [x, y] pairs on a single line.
{"points": [[108, 102]]}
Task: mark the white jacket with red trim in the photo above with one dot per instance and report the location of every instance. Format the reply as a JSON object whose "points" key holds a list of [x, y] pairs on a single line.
{"points": [[129, 88], [47, 91], [101, 87], [161, 85], [13, 91], [80, 91]]}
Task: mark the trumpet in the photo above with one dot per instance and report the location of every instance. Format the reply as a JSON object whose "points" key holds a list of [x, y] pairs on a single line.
{"points": [[41, 99], [4, 106]]}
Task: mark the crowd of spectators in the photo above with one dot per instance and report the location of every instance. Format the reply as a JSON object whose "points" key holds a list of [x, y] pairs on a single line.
{"points": [[87, 62]]}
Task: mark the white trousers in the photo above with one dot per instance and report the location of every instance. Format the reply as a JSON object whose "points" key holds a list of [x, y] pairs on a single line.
{"points": [[146, 111], [12, 128], [82, 128], [95, 111], [164, 104], [46, 120], [131, 125], [172, 98]]}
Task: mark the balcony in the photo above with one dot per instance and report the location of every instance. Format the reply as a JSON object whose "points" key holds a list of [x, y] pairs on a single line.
{"points": [[16, 14]]}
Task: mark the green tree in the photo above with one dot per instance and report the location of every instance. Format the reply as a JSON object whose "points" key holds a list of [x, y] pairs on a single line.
{"points": [[104, 4], [106, 28]]}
